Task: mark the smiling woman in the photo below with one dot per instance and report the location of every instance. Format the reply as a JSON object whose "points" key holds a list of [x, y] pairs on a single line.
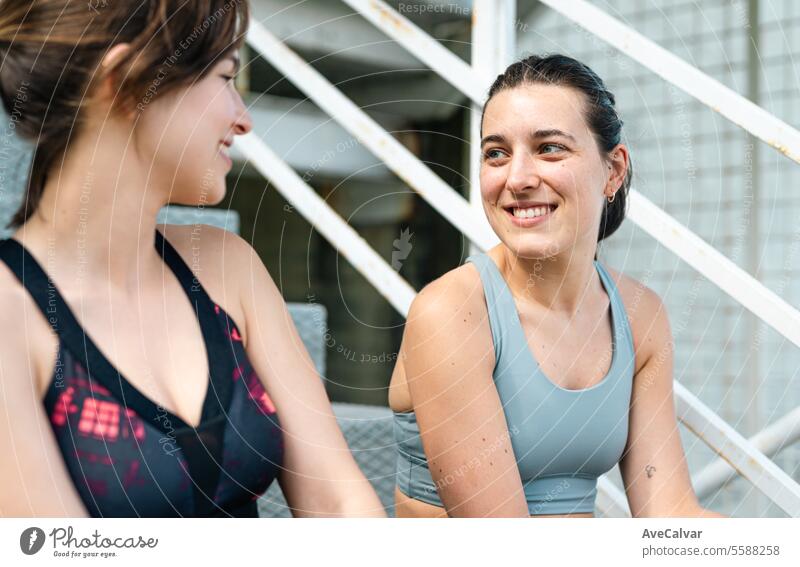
{"points": [[139, 383], [125, 54], [524, 374]]}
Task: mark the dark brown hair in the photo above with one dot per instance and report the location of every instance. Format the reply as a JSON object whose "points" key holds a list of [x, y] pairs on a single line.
{"points": [[601, 113], [50, 51]]}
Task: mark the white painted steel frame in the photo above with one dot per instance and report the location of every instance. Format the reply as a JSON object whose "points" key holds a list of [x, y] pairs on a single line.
{"points": [[493, 47], [402, 162], [444, 62], [688, 78], [712, 264], [770, 440], [751, 463], [329, 224], [760, 470], [611, 501]]}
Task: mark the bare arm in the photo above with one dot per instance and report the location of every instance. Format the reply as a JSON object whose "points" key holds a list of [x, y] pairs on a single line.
{"points": [[654, 467], [319, 476], [449, 359], [34, 481]]}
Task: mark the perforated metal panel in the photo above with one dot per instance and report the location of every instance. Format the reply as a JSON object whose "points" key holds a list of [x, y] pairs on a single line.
{"points": [[15, 157], [225, 219], [368, 431]]}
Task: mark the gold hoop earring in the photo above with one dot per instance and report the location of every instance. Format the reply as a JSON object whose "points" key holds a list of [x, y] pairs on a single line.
{"points": [[611, 199]]}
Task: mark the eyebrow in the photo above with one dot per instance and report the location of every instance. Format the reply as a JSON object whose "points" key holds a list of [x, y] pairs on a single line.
{"points": [[493, 138], [552, 132], [538, 134]]}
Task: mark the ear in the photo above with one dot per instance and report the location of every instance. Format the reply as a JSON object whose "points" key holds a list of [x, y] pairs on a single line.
{"points": [[108, 85], [618, 161]]}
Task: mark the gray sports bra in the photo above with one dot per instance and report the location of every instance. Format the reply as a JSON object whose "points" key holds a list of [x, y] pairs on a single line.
{"points": [[563, 440]]}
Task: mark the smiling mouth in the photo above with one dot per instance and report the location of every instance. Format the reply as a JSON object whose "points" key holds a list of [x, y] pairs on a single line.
{"points": [[223, 151], [529, 215]]}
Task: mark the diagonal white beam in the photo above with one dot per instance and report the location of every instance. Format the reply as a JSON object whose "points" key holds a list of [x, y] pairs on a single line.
{"points": [[712, 264], [406, 165], [494, 41], [688, 78], [329, 224], [421, 45], [611, 501], [751, 463], [770, 440]]}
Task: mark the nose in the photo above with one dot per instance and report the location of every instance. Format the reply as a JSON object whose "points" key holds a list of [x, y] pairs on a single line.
{"points": [[244, 122], [522, 173]]}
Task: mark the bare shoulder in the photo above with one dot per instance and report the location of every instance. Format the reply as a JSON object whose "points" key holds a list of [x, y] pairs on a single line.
{"points": [[27, 344], [15, 305], [206, 243], [457, 292], [448, 326], [647, 316], [219, 259], [444, 316], [14, 302]]}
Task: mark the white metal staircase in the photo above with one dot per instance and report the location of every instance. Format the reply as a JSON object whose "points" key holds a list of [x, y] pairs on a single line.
{"points": [[494, 23]]}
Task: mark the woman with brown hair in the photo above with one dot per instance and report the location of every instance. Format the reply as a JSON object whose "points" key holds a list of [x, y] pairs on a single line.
{"points": [[119, 396]]}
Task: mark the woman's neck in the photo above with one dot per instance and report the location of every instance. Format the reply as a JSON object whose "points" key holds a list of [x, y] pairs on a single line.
{"points": [[96, 220], [558, 283]]}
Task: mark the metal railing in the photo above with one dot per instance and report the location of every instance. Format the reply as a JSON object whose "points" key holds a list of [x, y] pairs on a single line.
{"points": [[747, 457]]}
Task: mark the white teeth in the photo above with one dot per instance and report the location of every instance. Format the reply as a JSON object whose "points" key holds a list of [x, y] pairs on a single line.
{"points": [[531, 212]]}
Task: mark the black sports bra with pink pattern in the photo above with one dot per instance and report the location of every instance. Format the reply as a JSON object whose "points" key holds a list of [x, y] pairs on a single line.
{"points": [[128, 456]]}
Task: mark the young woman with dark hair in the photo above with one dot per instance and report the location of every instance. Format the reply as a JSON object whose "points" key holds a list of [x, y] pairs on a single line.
{"points": [[119, 396], [533, 369]]}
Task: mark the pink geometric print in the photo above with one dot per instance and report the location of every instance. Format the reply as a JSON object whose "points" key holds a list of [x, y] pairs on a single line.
{"points": [[132, 478], [63, 407], [137, 426], [258, 394], [99, 419], [233, 332]]}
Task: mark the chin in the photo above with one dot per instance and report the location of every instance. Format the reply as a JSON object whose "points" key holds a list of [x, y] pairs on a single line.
{"points": [[531, 253], [210, 193], [208, 197], [216, 197], [531, 248]]}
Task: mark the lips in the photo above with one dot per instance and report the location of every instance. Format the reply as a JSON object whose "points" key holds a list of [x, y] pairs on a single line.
{"points": [[527, 214], [223, 150]]}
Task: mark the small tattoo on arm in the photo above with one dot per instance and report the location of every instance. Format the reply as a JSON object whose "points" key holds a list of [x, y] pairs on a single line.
{"points": [[649, 469]]}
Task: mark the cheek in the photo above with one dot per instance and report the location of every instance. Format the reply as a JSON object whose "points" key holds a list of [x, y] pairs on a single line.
{"points": [[562, 177], [574, 182], [492, 181], [584, 192]]}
